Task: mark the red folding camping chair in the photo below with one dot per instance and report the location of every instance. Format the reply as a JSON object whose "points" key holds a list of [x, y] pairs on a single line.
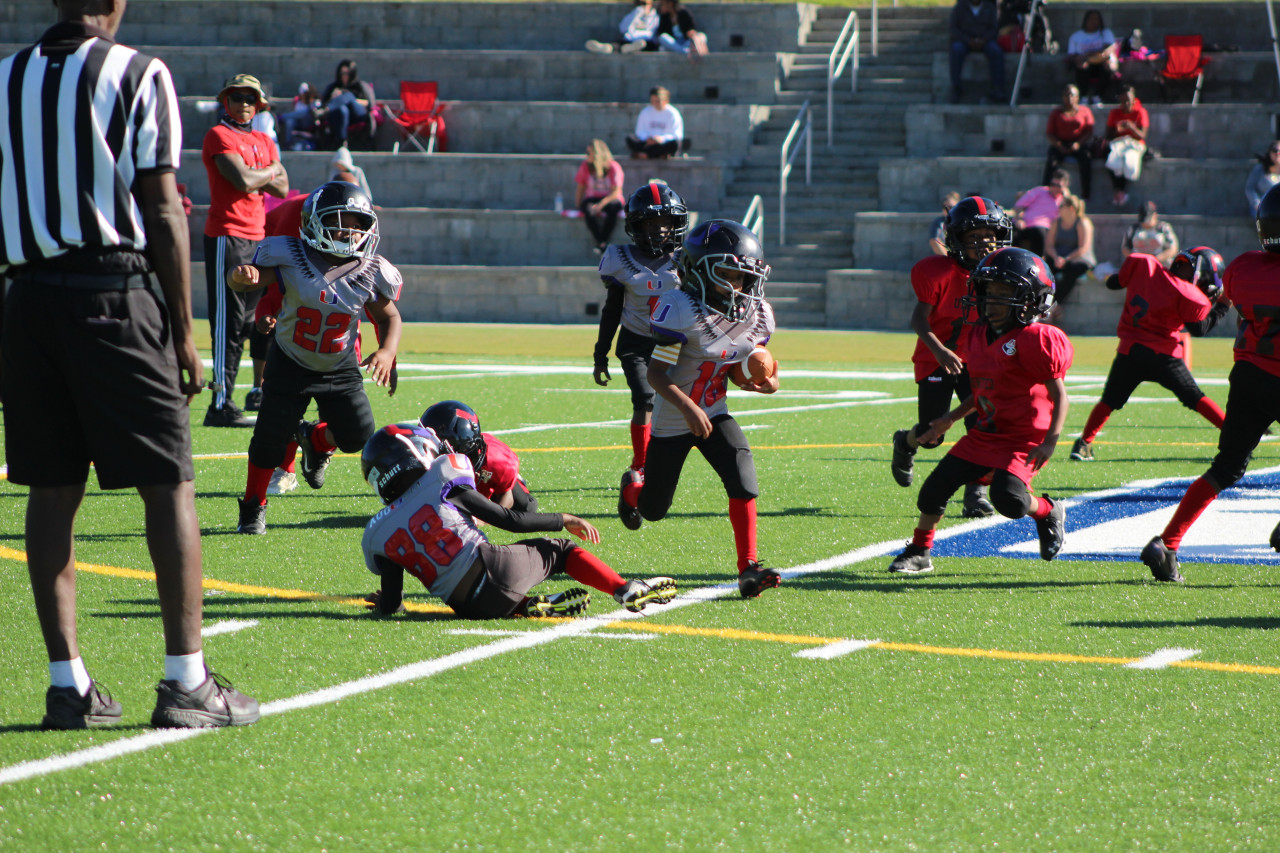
{"points": [[420, 114], [1183, 60]]}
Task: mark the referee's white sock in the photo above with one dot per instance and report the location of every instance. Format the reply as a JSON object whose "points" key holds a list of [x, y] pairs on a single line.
{"points": [[70, 673], [187, 670]]}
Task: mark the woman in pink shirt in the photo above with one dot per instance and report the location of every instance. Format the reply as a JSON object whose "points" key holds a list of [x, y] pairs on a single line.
{"points": [[1035, 211], [599, 192]]}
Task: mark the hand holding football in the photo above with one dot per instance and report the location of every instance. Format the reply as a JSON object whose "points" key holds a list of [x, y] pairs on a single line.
{"points": [[759, 366]]}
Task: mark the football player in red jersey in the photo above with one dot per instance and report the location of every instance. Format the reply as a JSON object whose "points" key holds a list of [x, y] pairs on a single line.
{"points": [[1158, 303], [1016, 368], [976, 227], [496, 466], [634, 277], [1252, 284]]}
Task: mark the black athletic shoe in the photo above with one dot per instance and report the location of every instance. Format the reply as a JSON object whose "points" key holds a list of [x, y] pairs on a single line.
{"points": [[903, 459], [913, 560], [636, 595], [1275, 538], [755, 579], [1082, 451], [65, 708], [227, 416], [253, 518], [1162, 562], [213, 704], [314, 462], [571, 602], [1052, 529], [629, 514], [976, 504], [253, 400]]}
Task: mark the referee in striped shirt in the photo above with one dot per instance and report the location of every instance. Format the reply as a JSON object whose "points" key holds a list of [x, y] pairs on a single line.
{"points": [[95, 367]]}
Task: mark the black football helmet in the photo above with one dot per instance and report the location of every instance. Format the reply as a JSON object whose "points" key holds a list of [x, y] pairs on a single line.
{"points": [[972, 213], [1025, 271], [711, 250], [394, 458], [458, 426], [1202, 267], [657, 219], [352, 227], [1269, 220]]}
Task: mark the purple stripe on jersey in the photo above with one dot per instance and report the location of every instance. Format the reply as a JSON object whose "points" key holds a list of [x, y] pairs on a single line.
{"points": [[668, 333], [469, 482]]}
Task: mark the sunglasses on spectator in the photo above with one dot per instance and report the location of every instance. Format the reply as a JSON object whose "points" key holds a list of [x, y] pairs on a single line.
{"points": [[243, 97]]}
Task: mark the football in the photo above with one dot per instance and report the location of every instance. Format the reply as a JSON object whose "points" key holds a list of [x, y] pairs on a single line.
{"points": [[759, 365]]}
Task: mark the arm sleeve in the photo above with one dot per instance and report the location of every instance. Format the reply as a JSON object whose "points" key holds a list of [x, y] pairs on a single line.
{"points": [[479, 507], [1206, 325], [392, 585], [610, 317]]}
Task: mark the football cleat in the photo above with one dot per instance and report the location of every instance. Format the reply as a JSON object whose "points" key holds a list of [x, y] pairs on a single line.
{"points": [[314, 462], [227, 416], [282, 482], [253, 400], [913, 560], [636, 595], [1162, 562], [630, 515], [755, 579], [253, 518], [903, 459], [1052, 529], [571, 602], [1082, 451], [976, 503], [1275, 538], [65, 708]]}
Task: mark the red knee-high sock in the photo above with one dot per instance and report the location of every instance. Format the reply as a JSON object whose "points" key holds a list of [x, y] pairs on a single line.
{"points": [[923, 538], [1039, 508], [290, 457], [1097, 418], [639, 444], [742, 514], [1210, 411], [1199, 495], [320, 441], [255, 487], [585, 567], [631, 493]]}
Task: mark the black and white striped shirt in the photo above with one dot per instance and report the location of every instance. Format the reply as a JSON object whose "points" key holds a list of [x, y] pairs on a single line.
{"points": [[80, 118]]}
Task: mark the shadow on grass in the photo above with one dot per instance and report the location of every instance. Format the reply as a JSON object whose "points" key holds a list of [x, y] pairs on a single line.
{"points": [[1253, 623], [35, 727]]}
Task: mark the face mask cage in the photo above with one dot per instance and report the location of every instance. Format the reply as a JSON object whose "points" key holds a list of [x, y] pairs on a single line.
{"points": [[353, 235], [724, 299]]}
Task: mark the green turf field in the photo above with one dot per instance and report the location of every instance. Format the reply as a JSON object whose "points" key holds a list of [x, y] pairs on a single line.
{"points": [[994, 713]]}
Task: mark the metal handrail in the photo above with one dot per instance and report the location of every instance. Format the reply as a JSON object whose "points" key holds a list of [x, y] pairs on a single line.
{"points": [[834, 70], [754, 217], [802, 128], [875, 27], [1275, 49], [1026, 52]]}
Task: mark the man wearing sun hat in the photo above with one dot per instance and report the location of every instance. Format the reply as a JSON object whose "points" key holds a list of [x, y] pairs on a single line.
{"points": [[242, 163]]}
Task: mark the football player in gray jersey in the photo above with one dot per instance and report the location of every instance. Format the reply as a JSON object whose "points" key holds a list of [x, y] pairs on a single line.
{"points": [[635, 277], [428, 529], [714, 321], [327, 275]]}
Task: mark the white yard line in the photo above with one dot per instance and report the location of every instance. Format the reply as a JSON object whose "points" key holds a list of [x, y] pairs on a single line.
{"points": [[835, 650], [227, 626], [1162, 658]]}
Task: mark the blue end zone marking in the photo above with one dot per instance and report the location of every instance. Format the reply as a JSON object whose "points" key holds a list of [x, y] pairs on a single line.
{"points": [[1114, 525]]}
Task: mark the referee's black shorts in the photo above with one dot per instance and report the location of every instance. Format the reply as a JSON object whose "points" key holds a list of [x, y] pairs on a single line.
{"points": [[288, 388], [1143, 364], [91, 376]]}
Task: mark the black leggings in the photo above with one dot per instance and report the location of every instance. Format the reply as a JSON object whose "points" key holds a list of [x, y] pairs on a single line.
{"points": [[1253, 404], [726, 450], [1009, 495], [601, 226]]}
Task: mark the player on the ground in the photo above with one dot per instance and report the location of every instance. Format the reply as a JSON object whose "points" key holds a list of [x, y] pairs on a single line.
{"points": [[1252, 284], [1158, 303], [712, 322], [634, 277], [976, 226], [1016, 369], [428, 530], [327, 275], [496, 466]]}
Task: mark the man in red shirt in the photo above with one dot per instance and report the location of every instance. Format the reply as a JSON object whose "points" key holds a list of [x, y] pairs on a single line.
{"points": [[1016, 368], [1158, 303], [975, 227], [1252, 284], [242, 164]]}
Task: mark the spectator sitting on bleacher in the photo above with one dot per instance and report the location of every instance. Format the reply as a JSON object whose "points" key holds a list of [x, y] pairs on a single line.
{"points": [[1264, 175], [599, 192], [298, 125], [659, 128], [1093, 53], [346, 100], [639, 32], [678, 31], [1036, 210], [938, 230], [1127, 127], [1070, 132], [1151, 235], [974, 27], [1069, 250]]}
